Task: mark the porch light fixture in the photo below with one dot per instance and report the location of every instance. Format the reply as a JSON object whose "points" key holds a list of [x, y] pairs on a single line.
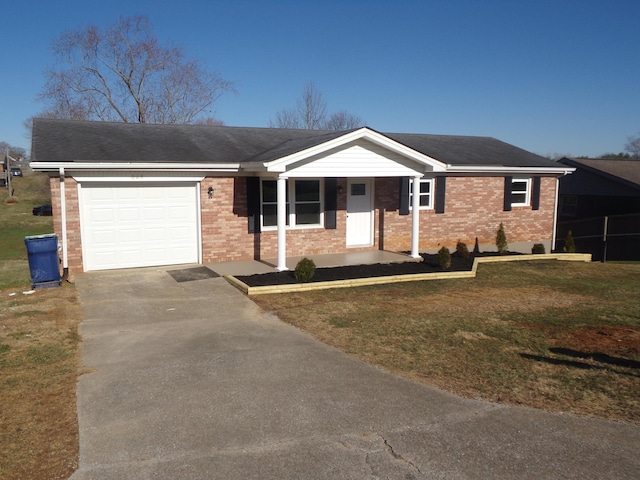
{"points": [[210, 192]]}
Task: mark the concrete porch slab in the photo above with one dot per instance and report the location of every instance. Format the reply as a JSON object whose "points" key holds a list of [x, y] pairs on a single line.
{"points": [[250, 267]]}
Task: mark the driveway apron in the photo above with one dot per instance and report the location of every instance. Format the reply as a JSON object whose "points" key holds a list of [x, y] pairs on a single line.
{"points": [[191, 380]]}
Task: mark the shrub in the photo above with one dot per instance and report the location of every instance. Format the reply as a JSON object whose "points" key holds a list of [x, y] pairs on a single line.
{"points": [[444, 258], [501, 240], [538, 248], [476, 247], [305, 270], [569, 245], [461, 250]]}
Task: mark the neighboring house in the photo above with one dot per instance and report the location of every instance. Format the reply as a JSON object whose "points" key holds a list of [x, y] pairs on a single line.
{"points": [[139, 195], [599, 187], [600, 204]]}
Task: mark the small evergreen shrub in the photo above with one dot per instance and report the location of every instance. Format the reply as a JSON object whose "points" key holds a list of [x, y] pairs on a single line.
{"points": [[444, 258], [305, 270], [569, 245], [461, 250], [501, 240], [538, 248], [476, 247]]}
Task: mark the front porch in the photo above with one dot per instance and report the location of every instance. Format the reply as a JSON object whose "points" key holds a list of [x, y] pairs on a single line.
{"points": [[251, 267]]}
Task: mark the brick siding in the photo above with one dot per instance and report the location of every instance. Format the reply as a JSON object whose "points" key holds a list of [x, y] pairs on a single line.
{"points": [[473, 208]]}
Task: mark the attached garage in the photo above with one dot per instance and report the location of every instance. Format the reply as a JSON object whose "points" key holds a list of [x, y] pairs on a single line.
{"points": [[125, 225]]}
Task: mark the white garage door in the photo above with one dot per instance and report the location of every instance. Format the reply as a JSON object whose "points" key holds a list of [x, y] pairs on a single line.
{"points": [[138, 225]]}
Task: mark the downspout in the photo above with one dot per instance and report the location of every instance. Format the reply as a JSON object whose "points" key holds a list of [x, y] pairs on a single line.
{"points": [[63, 220], [555, 216]]}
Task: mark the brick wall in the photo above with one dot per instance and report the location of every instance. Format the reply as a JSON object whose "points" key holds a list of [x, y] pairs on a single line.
{"points": [[225, 234], [473, 208], [74, 243]]}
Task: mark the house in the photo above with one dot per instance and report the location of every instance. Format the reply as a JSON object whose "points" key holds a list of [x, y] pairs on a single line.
{"points": [[600, 204], [599, 187], [134, 195]]}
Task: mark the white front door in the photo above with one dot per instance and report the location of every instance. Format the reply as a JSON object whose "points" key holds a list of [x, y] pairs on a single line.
{"points": [[359, 212]]}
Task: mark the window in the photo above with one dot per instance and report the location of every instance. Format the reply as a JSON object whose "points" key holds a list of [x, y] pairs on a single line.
{"points": [[426, 193], [307, 205], [568, 205], [520, 192], [304, 210]]}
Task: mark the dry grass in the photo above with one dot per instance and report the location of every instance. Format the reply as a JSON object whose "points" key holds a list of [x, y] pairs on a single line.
{"points": [[38, 350], [550, 335], [38, 371]]}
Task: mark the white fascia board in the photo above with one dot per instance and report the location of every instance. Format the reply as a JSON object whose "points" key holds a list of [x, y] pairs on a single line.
{"points": [[509, 170], [134, 166], [280, 165]]}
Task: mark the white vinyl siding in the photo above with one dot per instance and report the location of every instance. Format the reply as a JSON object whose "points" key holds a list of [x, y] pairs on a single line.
{"points": [[357, 159]]}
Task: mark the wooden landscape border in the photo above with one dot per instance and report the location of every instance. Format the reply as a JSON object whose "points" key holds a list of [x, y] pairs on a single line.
{"points": [[412, 277]]}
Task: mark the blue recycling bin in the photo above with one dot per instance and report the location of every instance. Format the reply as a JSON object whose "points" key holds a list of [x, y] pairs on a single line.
{"points": [[42, 251]]}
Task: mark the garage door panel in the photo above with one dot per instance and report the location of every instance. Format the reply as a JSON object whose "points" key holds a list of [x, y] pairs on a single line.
{"points": [[136, 225]]}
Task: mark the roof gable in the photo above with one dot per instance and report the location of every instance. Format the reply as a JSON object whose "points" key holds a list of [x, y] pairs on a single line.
{"points": [[361, 136]]}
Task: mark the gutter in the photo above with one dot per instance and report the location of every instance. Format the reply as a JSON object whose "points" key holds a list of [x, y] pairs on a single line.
{"points": [[135, 166], [515, 170]]}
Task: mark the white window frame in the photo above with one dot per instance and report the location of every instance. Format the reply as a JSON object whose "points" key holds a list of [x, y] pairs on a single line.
{"points": [[526, 192], [291, 205], [430, 194]]}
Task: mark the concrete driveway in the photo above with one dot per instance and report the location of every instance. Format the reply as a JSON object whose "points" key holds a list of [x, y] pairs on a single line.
{"points": [[190, 380]]}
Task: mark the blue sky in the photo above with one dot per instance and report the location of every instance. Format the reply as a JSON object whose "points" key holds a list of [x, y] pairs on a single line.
{"points": [[553, 77]]}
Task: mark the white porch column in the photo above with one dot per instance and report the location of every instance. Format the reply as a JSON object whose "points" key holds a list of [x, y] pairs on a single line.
{"points": [[415, 218], [282, 223]]}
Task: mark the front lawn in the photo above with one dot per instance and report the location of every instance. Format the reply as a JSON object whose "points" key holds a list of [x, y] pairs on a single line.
{"points": [[560, 336]]}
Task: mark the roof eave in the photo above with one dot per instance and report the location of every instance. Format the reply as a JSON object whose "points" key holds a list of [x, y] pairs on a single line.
{"points": [[498, 169], [135, 166]]}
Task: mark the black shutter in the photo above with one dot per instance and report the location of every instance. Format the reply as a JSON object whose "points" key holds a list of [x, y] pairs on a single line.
{"points": [[330, 203], [508, 185], [404, 195], [253, 204], [441, 187], [535, 200]]}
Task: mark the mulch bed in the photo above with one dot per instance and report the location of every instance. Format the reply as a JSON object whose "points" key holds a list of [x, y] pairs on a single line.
{"points": [[428, 265]]}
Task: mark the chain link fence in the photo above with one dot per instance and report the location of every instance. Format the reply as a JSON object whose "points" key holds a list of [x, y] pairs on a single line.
{"points": [[615, 237]]}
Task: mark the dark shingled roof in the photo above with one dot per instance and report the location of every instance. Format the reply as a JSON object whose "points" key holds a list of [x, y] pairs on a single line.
{"points": [[626, 172], [68, 140]]}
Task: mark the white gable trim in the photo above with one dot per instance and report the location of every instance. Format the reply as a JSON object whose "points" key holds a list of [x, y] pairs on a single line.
{"points": [[284, 164], [359, 158]]}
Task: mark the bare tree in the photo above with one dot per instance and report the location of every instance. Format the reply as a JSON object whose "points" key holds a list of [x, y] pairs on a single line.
{"points": [[124, 74], [343, 120], [633, 146], [310, 113]]}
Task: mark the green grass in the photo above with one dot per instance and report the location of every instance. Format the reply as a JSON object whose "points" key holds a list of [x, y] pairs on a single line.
{"points": [[18, 222]]}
